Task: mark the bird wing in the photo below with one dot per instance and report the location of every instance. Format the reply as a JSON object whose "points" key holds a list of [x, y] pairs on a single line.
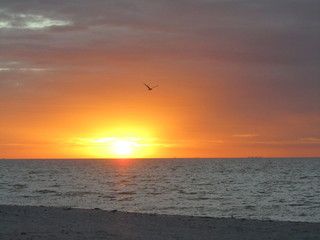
{"points": [[147, 86], [155, 86]]}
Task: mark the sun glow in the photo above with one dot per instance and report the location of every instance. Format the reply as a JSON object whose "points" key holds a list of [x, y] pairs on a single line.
{"points": [[115, 147], [117, 142], [123, 148]]}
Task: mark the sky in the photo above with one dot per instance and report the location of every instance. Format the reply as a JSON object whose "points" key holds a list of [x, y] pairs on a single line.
{"points": [[236, 78]]}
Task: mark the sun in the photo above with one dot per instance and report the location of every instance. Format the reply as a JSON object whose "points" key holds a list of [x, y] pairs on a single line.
{"points": [[116, 146], [122, 148]]}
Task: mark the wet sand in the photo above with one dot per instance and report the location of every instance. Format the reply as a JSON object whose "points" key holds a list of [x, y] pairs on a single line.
{"points": [[52, 223]]}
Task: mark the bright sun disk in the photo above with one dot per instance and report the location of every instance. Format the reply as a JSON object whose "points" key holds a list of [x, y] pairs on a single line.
{"points": [[122, 147]]}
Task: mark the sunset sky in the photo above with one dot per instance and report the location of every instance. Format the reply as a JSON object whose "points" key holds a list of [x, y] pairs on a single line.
{"points": [[236, 78]]}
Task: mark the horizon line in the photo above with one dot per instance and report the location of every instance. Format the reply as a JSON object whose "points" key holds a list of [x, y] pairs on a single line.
{"points": [[95, 158]]}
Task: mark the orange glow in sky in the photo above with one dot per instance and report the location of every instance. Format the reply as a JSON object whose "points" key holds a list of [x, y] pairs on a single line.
{"points": [[229, 84]]}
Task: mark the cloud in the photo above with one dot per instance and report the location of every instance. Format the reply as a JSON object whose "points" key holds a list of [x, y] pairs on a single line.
{"points": [[286, 142], [109, 141], [25, 69], [246, 32], [246, 135], [310, 140], [28, 21]]}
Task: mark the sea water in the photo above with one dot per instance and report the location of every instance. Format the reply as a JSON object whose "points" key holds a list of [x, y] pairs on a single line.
{"points": [[260, 188]]}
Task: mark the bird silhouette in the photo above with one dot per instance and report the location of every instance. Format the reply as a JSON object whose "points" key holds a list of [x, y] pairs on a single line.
{"points": [[150, 88]]}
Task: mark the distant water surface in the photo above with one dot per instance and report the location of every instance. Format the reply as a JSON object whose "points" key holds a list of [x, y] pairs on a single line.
{"points": [[277, 189]]}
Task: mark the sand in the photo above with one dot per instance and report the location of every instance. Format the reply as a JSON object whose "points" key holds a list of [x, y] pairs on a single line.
{"points": [[32, 223]]}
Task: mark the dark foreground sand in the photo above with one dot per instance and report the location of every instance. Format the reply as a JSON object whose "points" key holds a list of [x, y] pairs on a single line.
{"points": [[32, 223]]}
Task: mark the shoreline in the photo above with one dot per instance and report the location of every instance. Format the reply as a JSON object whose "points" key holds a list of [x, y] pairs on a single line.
{"points": [[39, 222]]}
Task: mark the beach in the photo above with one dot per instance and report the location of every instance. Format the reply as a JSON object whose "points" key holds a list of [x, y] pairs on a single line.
{"points": [[32, 222]]}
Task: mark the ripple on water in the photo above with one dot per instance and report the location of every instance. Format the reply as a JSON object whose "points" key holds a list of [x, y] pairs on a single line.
{"points": [[45, 191], [281, 189], [19, 186], [79, 193]]}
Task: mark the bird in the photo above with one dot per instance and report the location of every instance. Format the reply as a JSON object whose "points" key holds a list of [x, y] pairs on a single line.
{"points": [[150, 88]]}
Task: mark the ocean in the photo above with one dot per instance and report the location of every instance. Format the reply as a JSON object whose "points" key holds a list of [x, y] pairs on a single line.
{"points": [[285, 189]]}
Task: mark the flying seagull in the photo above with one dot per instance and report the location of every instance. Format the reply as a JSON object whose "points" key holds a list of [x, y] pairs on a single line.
{"points": [[150, 88]]}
